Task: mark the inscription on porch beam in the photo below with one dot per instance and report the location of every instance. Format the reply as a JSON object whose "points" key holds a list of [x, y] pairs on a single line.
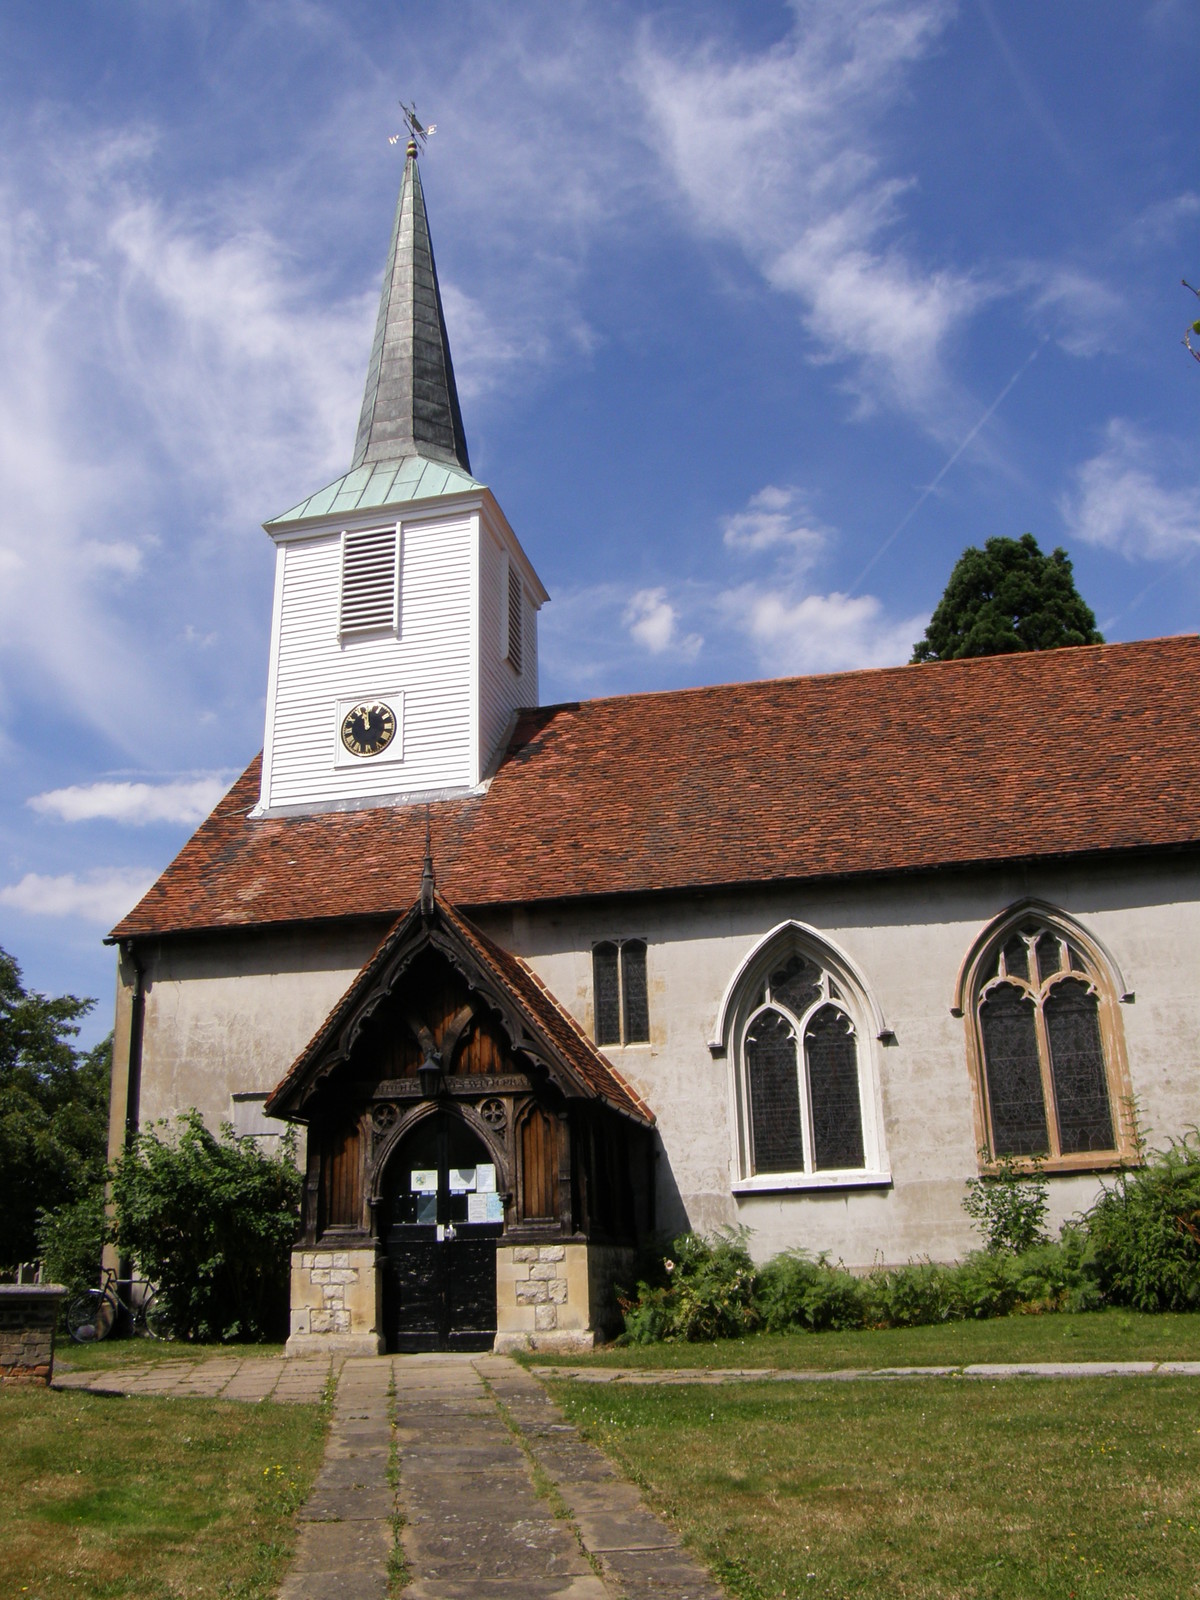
{"points": [[455, 1083]]}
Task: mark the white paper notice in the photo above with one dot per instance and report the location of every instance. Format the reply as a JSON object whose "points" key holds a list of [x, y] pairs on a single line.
{"points": [[423, 1180], [462, 1180], [485, 1179], [477, 1208]]}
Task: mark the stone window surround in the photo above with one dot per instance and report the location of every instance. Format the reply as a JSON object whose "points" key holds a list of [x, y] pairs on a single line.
{"points": [[739, 1004], [1105, 974]]}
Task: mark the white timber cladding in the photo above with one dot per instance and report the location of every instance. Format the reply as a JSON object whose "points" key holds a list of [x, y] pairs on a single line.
{"points": [[425, 655], [502, 689]]}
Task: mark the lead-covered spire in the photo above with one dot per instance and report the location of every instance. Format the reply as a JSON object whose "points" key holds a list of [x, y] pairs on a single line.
{"points": [[410, 406]]}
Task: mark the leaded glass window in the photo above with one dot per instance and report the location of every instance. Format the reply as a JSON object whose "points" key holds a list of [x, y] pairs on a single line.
{"points": [[634, 1001], [606, 989], [802, 1074], [774, 1094], [832, 1056], [620, 992], [1045, 1074]]}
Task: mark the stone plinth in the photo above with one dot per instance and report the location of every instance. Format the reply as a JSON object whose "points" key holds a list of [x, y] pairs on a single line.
{"points": [[335, 1303], [553, 1296], [28, 1315]]}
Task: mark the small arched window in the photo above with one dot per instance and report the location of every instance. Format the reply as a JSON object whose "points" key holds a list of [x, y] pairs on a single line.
{"points": [[806, 1094], [1046, 1042], [620, 994]]}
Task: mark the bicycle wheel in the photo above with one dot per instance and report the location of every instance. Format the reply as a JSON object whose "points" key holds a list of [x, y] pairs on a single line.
{"points": [[91, 1317], [155, 1318]]}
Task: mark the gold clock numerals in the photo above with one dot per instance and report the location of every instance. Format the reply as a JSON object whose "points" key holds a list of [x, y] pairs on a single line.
{"points": [[369, 728]]}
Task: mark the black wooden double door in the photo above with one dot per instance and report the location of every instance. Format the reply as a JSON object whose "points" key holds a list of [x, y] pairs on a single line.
{"points": [[440, 1269]]}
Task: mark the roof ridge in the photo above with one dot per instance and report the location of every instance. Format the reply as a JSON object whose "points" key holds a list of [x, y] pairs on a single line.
{"points": [[900, 667]]}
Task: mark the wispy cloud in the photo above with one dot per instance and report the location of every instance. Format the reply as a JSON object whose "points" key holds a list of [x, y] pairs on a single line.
{"points": [[1133, 497], [1078, 310], [101, 896], [779, 152], [185, 801], [653, 621], [156, 354], [777, 520], [793, 632]]}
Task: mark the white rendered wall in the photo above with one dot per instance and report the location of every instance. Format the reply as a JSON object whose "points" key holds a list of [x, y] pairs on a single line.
{"points": [[428, 663], [229, 1014], [907, 939], [501, 690]]}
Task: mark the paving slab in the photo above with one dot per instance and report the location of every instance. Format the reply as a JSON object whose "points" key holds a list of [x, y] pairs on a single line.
{"points": [[658, 1575]]}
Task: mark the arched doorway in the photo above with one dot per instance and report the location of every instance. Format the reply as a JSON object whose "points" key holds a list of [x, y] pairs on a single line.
{"points": [[440, 1217]]}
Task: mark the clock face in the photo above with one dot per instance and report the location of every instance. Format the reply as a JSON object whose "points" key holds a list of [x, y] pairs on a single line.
{"points": [[368, 729]]}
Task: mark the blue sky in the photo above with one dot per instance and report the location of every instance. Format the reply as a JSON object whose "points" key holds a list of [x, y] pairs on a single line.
{"points": [[761, 313]]}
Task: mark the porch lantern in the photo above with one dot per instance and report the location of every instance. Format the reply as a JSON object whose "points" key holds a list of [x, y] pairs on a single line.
{"points": [[430, 1074]]}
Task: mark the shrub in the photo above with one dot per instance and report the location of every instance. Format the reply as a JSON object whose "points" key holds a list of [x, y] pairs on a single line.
{"points": [[911, 1296], [71, 1240], [707, 1290], [802, 1291], [210, 1222], [1145, 1232], [1009, 1206], [1059, 1275]]}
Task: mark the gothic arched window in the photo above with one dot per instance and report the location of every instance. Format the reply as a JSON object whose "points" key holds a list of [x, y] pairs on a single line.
{"points": [[1046, 1042], [805, 1080]]}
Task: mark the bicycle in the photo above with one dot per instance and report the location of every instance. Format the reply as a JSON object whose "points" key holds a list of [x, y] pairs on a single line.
{"points": [[94, 1314]]}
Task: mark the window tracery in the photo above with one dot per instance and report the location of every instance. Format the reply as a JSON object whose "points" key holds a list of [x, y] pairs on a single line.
{"points": [[1047, 1046], [805, 1081]]}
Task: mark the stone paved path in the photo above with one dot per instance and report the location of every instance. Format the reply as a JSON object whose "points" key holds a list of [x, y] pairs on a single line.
{"points": [[465, 1459], [232, 1377]]}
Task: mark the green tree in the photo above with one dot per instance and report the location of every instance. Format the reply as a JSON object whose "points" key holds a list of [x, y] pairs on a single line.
{"points": [[210, 1222], [53, 1110], [1005, 598]]}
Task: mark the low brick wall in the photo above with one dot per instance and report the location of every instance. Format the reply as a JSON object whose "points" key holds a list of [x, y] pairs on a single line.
{"points": [[28, 1315]]}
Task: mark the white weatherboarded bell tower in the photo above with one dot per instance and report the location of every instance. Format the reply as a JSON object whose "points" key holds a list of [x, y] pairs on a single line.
{"points": [[404, 635]]}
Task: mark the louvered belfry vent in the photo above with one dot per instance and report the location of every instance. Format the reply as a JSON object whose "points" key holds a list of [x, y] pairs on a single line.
{"points": [[515, 609], [370, 570]]}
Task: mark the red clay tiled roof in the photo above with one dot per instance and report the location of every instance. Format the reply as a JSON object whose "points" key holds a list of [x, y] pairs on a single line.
{"points": [[961, 762], [575, 1051]]}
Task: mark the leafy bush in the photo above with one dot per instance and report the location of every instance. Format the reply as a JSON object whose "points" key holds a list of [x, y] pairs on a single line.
{"points": [[210, 1222], [801, 1291], [1145, 1232], [911, 1296], [70, 1241], [1009, 1206], [1059, 1275], [706, 1290]]}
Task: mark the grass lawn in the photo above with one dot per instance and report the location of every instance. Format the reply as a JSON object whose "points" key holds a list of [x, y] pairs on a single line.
{"points": [[109, 1353], [921, 1489], [162, 1499], [1090, 1336]]}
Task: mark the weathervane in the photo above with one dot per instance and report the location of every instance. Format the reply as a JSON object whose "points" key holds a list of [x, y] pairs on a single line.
{"points": [[417, 134]]}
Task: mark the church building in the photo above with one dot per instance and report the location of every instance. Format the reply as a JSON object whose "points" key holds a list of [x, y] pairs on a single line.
{"points": [[540, 983]]}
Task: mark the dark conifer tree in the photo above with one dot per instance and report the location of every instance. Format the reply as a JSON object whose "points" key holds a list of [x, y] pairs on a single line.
{"points": [[1007, 597]]}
